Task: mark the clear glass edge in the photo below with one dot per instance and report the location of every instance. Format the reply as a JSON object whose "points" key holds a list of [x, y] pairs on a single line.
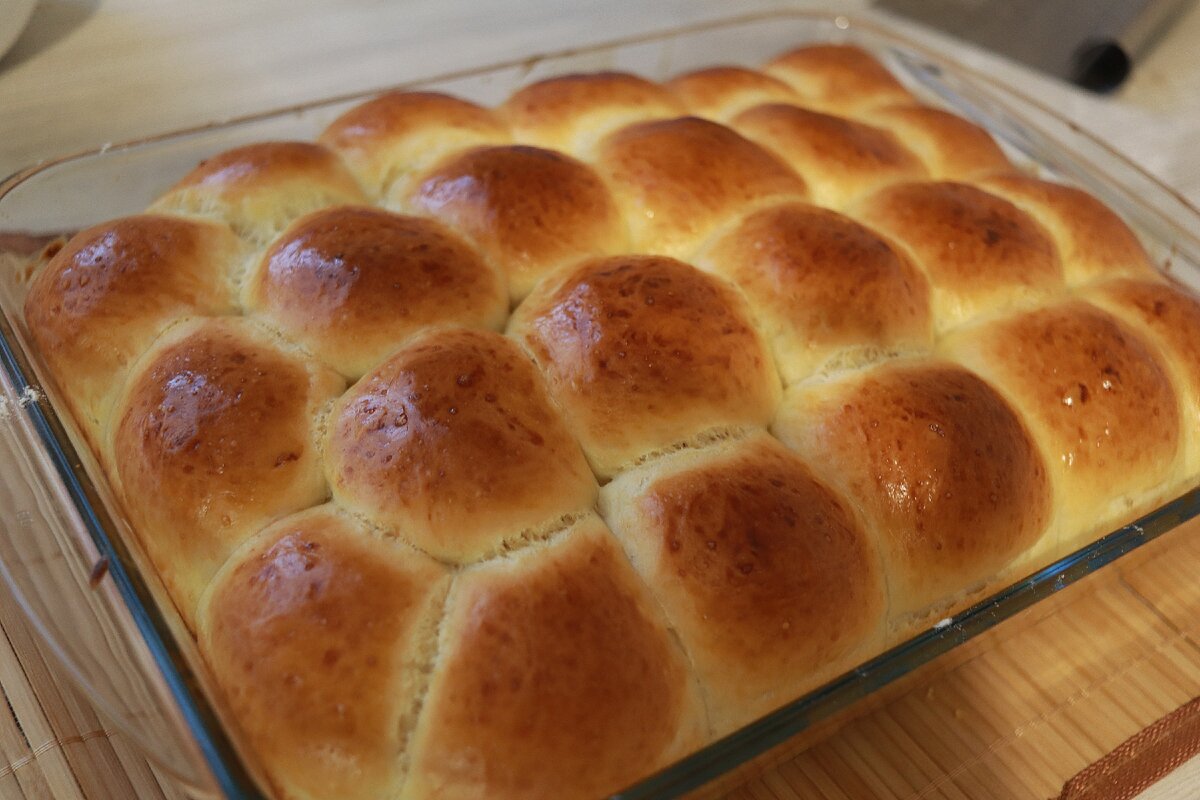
{"points": [[717, 758]]}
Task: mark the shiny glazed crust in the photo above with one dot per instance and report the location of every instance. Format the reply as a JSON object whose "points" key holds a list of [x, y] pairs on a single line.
{"points": [[516, 452]]}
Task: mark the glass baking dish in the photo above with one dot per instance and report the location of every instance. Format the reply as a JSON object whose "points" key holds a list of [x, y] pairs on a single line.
{"points": [[68, 559]]}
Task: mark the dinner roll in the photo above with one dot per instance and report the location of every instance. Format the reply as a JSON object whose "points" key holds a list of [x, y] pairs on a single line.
{"points": [[826, 290], [837, 78], [946, 473], [111, 290], [951, 147], [388, 140], [677, 180], [555, 679], [211, 439], [1100, 403], [321, 635], [533, 211], [453, 444], [643, 352], [573, 112], [260, 188], [719, 93], [1092, 240], [1167, 316], [351, 283], [766, 575], [980, 252], [838, 158]]}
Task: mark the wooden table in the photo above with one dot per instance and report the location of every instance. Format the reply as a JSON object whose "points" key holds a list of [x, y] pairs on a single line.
{"points": [[93, 71]]}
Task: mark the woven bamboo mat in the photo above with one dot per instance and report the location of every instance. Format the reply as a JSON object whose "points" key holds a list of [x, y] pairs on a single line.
{"points": [[1013, 714]]}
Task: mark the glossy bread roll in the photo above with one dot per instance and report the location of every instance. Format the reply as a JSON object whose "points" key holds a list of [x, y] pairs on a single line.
{"points": [[980, 252], [260, 188], [1168, 316], [1099, 400], [386, 141], [322, 634], [212, 438], [838, 158], [679, 179], [573, 112], [828, 292], [644, 353], [766, 575], [556, 678], [351, 283], [945, 471], [950, 147], [104, 298], [668, 402], [453, 444], [532, 210]]}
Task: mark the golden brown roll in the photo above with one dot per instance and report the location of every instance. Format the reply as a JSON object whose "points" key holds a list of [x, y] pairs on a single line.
{"points": [[765, 574], [838, 158], [644, 352], [260, 188], [389, 139], [825, 290], [945, 471], [677, 180], [556, 679], [211, 439], [837, 78], [1167, 316], [352, 283], [573, 112], [1099, 402], [952, 148], [104, 297], [980, 252], [1092, 240], [533, 211], [320, 635], [452, 443], [719, 93]]}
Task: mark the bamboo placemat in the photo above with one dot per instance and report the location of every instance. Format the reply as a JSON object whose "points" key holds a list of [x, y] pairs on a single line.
{"points": [[1013, 714]]}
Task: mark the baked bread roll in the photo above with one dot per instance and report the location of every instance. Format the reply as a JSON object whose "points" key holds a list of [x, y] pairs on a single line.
{"points": [[386, 141], [946, 473], [720, 93], [766, 575], [351, 283], [837, 78], [104, 298], [556, 678], [827, 291], [677, 180], [980, 252], [1167, 316], [951, 147], [322, 634], [1093, 242], [669, 403], [452, 443], [212, 438], [260, 188], [1102, 406], [573, 112], [644, 353], [838, 158], [532, 210]]}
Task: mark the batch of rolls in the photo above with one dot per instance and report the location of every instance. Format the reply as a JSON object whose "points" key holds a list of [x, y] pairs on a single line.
{"points": [[518, 452]]}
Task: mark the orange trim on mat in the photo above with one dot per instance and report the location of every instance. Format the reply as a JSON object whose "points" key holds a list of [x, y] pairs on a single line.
{"points": [[1142, 760]]}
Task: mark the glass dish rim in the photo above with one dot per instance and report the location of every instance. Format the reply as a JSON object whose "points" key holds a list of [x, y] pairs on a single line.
{"points": [[222, 757]]}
